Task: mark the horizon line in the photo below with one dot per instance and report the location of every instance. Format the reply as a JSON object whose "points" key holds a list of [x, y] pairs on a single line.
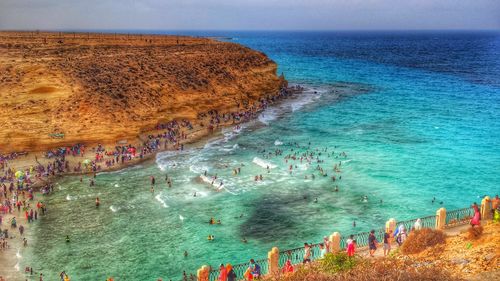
{"points": [[151, 31]]}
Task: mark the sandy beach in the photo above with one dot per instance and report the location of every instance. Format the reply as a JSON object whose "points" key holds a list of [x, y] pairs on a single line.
{"points": [[97, 93]]}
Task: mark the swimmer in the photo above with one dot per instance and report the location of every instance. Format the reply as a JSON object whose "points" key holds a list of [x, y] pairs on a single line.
{"points": [[336, 188], [260, 177], [244, 240], [67, 239], [354, 224], [316, 200], [212, 221], [194, 195], [97, 202], [185, 254], [152, 189], [219, 222]]}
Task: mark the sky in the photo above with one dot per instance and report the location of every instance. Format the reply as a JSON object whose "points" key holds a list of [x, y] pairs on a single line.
{"points": [[249, 15]]}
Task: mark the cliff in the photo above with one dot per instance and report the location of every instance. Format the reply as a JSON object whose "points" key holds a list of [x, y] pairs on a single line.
{"points": [[107, 87]]}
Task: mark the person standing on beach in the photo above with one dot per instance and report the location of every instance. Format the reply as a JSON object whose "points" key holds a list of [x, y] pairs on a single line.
{"points": [[307, 253], [223, 273], [476, 219], [372, 242], [387, 243], [351, 248]]}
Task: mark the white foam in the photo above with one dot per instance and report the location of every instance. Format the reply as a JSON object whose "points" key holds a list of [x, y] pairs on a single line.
{"points": [[263, 163], [69, 197], [117, 185], [268, 115], [210, 181], [231, 148], [158, 198], [113, 209], [198, 169], [278, 142], [181, 217]]}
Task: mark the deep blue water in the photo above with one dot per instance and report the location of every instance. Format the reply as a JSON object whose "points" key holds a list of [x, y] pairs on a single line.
{"points": [[417, 114]]}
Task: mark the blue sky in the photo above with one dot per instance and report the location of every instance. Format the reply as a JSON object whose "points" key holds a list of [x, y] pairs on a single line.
{"points": [[250, 15]]}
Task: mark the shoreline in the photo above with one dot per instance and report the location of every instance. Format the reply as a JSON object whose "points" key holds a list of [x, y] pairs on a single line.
{"points": [[10, 258]]}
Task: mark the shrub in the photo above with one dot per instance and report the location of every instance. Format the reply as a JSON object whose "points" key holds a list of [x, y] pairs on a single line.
{"points": [[474, 232], [420, 240], [376, 270], [337, 262]]}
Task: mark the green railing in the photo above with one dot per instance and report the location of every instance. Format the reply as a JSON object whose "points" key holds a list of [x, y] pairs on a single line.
{"points": [[361, 238], [296, 256], [459, 217], [425, 222]]}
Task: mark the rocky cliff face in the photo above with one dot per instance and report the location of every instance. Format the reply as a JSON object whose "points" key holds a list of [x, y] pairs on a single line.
{"points": [[102, 88]]}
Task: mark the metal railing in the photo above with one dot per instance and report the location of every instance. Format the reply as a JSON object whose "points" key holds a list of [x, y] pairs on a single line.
{"points": [[425, 222], [296, 256], [459, 217]]}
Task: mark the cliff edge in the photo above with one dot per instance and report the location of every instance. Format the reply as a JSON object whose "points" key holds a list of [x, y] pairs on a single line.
{"points": [[65, 88]]}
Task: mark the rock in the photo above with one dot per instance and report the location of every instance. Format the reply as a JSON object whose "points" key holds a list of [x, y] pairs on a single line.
{"points": [[460, 261], [489, 257]]}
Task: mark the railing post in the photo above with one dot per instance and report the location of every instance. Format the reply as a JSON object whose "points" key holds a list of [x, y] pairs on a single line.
{"points": [[203, 273], [334, 241], [486, 208], [273, 260], [440, 219]]}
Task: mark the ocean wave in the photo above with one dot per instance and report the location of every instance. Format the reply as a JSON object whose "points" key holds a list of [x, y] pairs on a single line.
{"points": [[263, 163], [159, 199]]}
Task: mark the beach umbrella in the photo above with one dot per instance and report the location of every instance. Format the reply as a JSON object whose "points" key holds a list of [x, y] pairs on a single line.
{"points": [[19, 174]]}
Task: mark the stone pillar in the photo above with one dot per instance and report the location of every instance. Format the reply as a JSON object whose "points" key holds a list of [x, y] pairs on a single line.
{"points": [[486, 208], [440, 219], [334, 241], [273, 257], [203, 273]]}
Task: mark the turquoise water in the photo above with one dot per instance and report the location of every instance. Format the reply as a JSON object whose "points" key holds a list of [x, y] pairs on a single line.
{"points": [[416, 114]]}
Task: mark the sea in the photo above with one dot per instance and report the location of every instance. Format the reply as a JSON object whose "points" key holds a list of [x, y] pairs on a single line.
{"points": [[411, 120]]}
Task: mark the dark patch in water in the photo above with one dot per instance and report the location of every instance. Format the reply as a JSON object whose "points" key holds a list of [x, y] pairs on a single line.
{"points": [[277, 217]]}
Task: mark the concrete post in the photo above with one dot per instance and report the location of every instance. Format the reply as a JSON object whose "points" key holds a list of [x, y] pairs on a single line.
{"points": [[334, 241], [440, 219], [273, 257], [486, 208], [203, 273]]}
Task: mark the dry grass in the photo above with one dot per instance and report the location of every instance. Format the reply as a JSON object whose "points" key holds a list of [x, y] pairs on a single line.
{"points": [[420, 240], [376, 270], [474, 232]]}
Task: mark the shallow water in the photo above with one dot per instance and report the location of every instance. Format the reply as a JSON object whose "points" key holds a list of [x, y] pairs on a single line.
{"points": [[416, 114]]}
